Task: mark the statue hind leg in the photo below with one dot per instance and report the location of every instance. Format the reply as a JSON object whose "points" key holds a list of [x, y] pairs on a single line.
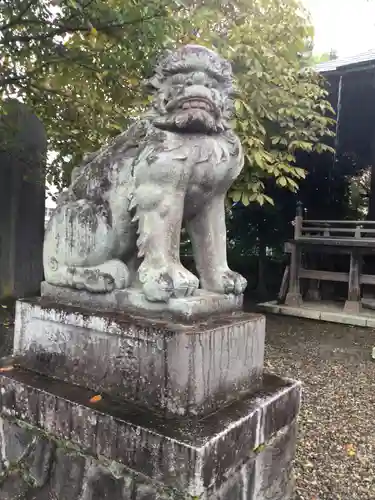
{"points": [[80, 250], [113, 274]]}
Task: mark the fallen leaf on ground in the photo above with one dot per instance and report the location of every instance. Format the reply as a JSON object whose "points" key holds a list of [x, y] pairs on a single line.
{"points": [[96, 398], [350, 449]]}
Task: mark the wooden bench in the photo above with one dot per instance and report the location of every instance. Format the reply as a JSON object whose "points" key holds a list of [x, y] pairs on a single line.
{"points": [[355, 238]]}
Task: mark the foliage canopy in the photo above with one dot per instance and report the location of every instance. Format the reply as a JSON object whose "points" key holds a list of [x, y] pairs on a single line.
{"points": [[79, 63]]}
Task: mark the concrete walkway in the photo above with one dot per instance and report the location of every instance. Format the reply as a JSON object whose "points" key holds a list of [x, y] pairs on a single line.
{"points": [[332, 312]]}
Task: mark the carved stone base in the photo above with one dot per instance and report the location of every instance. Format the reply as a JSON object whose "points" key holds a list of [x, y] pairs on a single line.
{"points": [[167, 366], [71, 448], [203, 304]]}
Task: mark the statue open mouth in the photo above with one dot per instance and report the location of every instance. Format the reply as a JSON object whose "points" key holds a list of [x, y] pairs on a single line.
{"points": [[197, 103], [191, 103]]}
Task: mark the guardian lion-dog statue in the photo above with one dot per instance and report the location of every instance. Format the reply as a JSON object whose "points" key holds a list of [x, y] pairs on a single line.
{"points": [[119, 223]]}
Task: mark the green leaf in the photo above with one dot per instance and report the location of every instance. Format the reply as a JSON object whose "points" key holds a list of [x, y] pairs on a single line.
{"points": [[299, 172], [258, 159], [245, 199], [292, 183], [238, 106], [236, 196], [269, 200], [260, 199]]}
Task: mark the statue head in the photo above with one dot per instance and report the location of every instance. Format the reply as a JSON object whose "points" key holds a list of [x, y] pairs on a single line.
{"points": [[193, 87]]}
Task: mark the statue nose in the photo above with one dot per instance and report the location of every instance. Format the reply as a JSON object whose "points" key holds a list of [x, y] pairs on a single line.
{"points": [[198, 78], [198, 91]]}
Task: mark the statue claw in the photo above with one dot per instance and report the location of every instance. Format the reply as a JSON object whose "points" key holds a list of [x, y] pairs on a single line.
{"points": [[175, 281], [229, 282]]}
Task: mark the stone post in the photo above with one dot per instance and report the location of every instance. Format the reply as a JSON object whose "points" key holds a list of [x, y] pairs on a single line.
{"points": [[22, 201]]}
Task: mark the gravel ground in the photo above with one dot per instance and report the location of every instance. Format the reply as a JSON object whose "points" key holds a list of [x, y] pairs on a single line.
{"points": [[336, 450]]}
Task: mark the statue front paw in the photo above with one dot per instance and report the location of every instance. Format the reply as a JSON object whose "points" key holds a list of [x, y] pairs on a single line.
{"points": [[159, 285], [228, 282]]}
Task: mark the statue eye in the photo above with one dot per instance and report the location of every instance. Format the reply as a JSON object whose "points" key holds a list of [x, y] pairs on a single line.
{"points": [[214, 83]]}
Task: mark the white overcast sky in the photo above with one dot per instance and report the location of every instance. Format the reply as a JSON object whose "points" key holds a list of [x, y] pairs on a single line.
{"points": [[347, 26]]}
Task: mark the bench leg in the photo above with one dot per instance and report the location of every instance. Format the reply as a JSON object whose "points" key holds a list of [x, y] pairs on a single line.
{"points": [[353, 304], [284, 286], [294, 297], [313, 292]]}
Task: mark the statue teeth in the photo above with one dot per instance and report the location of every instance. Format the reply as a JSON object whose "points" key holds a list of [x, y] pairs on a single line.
{"points": [[196, 104]]}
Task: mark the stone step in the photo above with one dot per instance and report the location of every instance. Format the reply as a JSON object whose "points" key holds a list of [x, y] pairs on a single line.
{"points": [[229, 455]]}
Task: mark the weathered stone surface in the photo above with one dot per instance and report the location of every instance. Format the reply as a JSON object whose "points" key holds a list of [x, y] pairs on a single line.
{"points": [[146, 492], [102, 484], [196, 457], [68, 474], [265, 475], [15, 442], [13, 487], [181, 368], [39, 460], [43, 493], [196, 307], [119, 223], [23, 146]]}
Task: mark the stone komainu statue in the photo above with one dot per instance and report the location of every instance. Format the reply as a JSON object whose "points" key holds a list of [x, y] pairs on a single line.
{"points": [[119, 223]]}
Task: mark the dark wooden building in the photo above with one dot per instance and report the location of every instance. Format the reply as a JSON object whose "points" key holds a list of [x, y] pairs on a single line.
{"points": [[317, 240]]}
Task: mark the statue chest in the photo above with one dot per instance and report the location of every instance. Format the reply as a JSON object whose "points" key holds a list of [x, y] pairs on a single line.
{"points": [[212, 169], [208, 161]]}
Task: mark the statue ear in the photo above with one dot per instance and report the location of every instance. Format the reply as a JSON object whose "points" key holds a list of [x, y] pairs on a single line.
{"points": [[152, 83], [233, 92]]}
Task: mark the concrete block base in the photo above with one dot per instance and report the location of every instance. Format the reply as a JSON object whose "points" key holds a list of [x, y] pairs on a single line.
{"points": [[170, 367], [55, 443]]}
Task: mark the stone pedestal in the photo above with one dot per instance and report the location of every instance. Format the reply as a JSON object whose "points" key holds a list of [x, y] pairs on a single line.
{"points": [[166, 366], [185, 412]]}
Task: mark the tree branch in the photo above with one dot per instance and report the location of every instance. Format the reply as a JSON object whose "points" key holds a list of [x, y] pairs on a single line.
{"points": [[42, 90], [19, 18], [61, 30]]}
